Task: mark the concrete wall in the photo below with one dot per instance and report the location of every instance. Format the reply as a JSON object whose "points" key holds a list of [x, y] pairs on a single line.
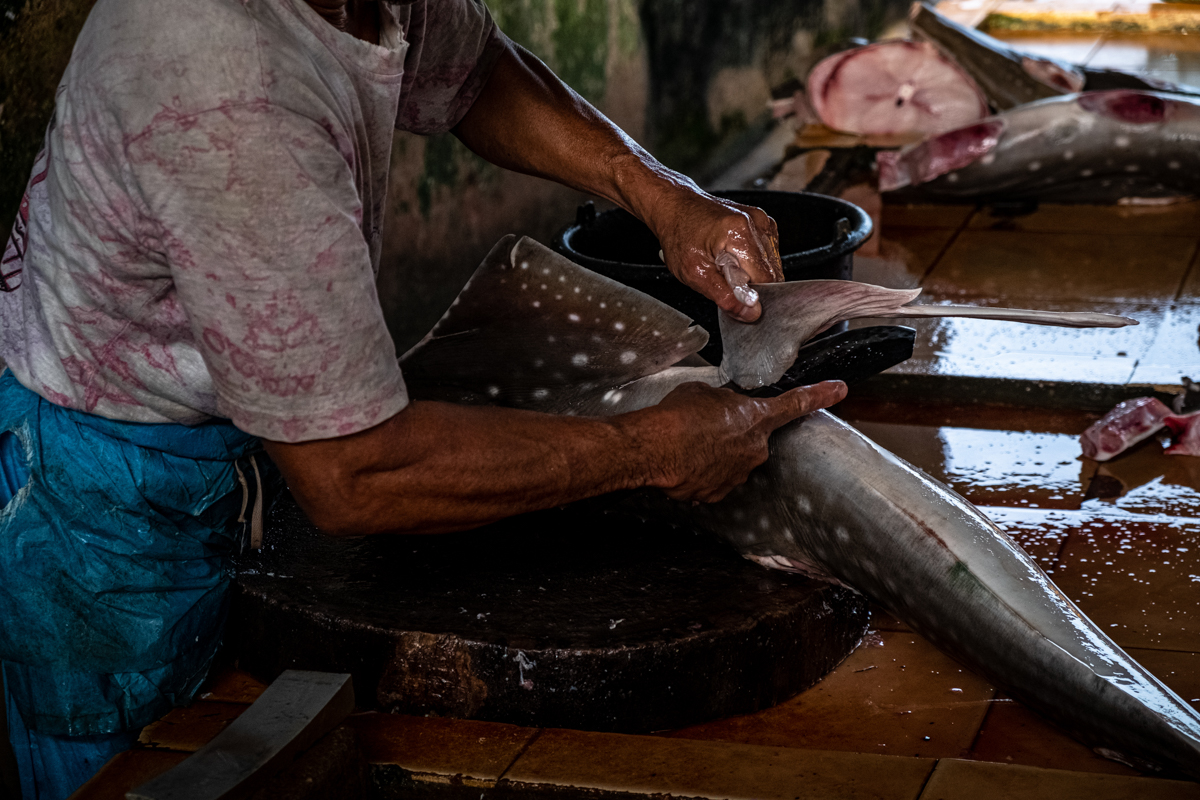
{"points": [[689, 79]]}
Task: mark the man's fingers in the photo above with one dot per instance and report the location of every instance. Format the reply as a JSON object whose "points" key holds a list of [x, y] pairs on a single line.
{"points": [[804, 400]]}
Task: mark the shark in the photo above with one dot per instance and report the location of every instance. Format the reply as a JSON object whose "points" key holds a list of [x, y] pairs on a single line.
{"points": [[533, 330], [1010, 77], [1090, 147]]}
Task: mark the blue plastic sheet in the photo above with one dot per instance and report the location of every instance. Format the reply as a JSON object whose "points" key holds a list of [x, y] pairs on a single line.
{"points": [[114, 576]]}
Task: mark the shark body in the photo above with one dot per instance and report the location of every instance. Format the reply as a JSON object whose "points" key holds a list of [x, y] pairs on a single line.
{"points": [[1091, 147], [532, 330]]}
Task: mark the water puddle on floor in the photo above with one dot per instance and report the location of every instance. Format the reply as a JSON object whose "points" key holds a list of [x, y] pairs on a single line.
{"points": [[1031, 459]]}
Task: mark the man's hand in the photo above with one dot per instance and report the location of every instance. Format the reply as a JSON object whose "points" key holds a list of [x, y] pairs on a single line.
{"points": [[716, 246], [527, 120], [706, 441]]}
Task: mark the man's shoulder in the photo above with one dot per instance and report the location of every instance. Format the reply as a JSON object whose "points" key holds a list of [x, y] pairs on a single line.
{"points": [[191, 55]]}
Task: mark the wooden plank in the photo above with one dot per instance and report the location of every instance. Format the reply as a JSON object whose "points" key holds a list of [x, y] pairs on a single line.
{"points": [[292, 714]]}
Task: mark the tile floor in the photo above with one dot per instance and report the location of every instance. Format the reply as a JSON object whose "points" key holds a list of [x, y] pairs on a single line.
{"points": [[1138, 262]]}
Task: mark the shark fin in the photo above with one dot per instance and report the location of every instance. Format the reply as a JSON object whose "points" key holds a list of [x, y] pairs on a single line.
{"points": [[534, 330], [759, 354], [1059, 319]]}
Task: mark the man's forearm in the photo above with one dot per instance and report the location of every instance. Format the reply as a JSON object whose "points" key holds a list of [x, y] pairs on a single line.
{"points": [[438, 467], [526, 119], [529, 121]]}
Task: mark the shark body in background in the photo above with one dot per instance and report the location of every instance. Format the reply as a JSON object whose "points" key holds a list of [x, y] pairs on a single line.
{"points": [[1092, 147], [1010, 77], [533, 330]]}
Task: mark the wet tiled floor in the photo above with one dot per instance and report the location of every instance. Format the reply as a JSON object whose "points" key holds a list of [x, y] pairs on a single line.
{"points": [[1132, 261]]}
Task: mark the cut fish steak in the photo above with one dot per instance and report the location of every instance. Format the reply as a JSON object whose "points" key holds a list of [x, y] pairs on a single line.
{"points": [[1124, 426], [893, 87]]}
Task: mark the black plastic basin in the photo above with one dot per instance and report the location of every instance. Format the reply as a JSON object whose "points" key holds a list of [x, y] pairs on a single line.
{"points": [[817, 239]]}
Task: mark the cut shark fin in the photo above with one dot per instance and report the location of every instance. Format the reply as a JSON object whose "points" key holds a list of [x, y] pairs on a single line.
{"points": [[532, 329], [759, 354]]}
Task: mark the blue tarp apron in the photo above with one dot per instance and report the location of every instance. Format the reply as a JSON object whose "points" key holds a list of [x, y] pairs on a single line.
{"points": [[114, 571]]}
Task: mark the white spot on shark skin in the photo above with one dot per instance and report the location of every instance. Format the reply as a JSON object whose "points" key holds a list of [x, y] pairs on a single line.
{"points": [[843, 534], [558, 297], [551, 339], [1034, 166], [541, 394], [628, 357], [952, 177], [1121, 141], [764, 522], [524, 285], [573, 317], [1085, 173], [537, 303], [538, 363], [1131, 167], [576, 290], [655, 333], [1068, 155], [579, 359], [870, 567], [545, 270], [1172, 165], [524, 265], [604, 305], [643, 318], [804, 505], [493, 391], [988, 158], [619, 326], [562, 278], [613, 396], [543, 287]]}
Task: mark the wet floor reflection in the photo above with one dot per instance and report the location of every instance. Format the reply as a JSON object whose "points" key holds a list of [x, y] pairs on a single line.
{"points": [[1041, 468]]}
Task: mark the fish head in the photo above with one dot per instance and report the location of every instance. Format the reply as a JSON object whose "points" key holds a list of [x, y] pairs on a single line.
{"points": [[938, 155]]}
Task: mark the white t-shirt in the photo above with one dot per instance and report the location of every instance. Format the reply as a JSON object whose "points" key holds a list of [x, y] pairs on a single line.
{"points": [[201, 235]]}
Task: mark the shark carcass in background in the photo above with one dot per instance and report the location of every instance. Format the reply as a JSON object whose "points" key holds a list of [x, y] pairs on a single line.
{"points": [[985, 121]]}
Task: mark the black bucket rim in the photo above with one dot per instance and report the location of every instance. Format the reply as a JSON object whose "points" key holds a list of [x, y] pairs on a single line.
{"points": [[861, 228]]}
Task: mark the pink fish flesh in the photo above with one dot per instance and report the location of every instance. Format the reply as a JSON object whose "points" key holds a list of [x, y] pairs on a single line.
{"points": [[1185, 428], [1124, 426], [893, 87]]}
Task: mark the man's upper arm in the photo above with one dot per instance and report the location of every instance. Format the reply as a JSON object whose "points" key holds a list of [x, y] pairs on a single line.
{"points": [[453, 45], [260, 221]]}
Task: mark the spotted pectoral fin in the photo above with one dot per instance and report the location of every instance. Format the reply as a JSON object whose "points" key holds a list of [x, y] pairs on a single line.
{"points": [[532, 329]]}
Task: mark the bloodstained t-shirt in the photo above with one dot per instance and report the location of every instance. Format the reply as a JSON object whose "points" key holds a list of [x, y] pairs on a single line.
{"points": [[201, 234]]}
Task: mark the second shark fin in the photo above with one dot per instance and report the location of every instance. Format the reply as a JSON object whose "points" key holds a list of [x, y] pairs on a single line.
{"points": [[759, 354], [534, 330]]}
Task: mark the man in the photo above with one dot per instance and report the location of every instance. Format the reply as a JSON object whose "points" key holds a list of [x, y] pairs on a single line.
{"points": [[191, 281]]}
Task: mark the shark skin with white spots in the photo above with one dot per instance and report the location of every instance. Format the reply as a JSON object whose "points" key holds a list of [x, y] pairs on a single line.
{"points": [[1091, 147], [828, 502]]}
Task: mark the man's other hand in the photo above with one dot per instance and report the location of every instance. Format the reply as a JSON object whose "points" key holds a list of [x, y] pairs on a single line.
{"points": [[703, 442]]}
